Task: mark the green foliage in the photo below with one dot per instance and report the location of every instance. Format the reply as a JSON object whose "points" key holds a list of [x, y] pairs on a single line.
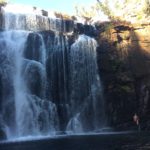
{"points": [[123, 8], [126, 88], [120, 10], [146, 8], [85, 13], [105, 8], [139, 17], [3, 2]]}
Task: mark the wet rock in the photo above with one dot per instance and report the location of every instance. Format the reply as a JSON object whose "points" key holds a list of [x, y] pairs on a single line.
{"points": [[2, 132], [35, 76], [44, 13]]}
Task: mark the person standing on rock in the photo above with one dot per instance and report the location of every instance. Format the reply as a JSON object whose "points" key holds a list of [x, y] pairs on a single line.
{"points": [[136, 120]]}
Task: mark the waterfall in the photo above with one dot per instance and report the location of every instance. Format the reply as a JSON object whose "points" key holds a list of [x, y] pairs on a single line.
{"points": [[85, 85], [49, 82], [19, 85], [74, 125], [12, 51], [20, 17]]}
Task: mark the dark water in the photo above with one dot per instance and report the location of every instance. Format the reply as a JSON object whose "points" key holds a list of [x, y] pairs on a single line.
{"points": [[122, 141]]}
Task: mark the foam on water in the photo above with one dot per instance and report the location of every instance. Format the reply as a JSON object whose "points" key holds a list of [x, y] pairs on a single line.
{"points": [[37, 138]]}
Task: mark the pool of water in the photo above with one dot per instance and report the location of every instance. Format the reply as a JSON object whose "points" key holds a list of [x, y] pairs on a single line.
{"points": [[90, 141]]}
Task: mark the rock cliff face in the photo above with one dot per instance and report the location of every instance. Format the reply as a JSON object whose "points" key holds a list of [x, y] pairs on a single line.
{"points": [[124, 60], [123, 57], [49, 81]]}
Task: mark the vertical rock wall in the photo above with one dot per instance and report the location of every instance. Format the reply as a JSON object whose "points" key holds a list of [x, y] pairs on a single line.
{"points": [[124, 60]]}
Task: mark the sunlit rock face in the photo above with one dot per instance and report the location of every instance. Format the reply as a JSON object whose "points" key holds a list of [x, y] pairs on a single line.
{"points": [[48, 75], [123, 60]]}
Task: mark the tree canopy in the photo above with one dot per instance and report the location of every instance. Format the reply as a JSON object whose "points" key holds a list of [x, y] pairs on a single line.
{"points": [[3, 2], [126, 10]]}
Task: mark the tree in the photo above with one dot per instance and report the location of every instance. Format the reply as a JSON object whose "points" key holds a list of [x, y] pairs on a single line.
{"points": [[3, 2], [125, 9], [117, 10], [105, 8], [146, 8], [85, 13]]}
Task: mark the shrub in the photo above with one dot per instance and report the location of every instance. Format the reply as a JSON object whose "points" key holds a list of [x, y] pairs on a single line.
{"points": [[3, 2], [146, 8]]}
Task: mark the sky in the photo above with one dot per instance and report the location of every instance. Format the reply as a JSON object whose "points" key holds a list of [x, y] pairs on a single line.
{"points": [[66, 6]]}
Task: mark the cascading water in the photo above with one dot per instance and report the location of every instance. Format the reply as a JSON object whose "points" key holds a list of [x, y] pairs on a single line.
{"points": [[32, 114], [19, 87], [85, 94], [48, 82]]}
